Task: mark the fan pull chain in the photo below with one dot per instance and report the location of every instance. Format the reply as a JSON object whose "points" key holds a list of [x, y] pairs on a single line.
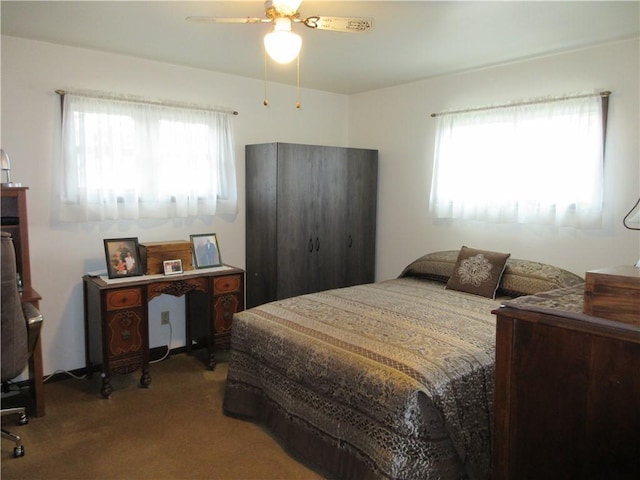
{"points": [[298, 84], [265, 102]]}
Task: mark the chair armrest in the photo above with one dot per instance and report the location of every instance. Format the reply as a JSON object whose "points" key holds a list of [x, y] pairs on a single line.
{"points": [[34, 323]]}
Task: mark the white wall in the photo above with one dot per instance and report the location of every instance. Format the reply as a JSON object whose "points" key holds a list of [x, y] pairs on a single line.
{"points": [[397, 121], [62, 253]]}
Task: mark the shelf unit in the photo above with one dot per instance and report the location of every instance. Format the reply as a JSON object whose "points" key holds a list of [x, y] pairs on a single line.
{"points": [[14, 220]]}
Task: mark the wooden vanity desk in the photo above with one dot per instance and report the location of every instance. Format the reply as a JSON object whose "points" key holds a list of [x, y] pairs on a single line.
{"points": [[117, 319]]}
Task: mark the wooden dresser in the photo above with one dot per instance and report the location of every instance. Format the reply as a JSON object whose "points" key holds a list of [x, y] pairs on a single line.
{"points": [[567, 401]]}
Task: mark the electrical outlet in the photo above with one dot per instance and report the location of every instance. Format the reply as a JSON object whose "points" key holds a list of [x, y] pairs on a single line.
{"points": [[164, 318]]}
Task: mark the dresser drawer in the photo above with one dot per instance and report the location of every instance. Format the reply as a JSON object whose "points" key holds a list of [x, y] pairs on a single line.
{"points": [[126, 298], [228, 283]]}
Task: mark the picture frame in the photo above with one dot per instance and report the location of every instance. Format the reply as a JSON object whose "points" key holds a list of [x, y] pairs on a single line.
{"points": [[123, 257], [206, 252], [172, 267]]}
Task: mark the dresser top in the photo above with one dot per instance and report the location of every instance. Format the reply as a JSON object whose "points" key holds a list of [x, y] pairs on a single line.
{"points": [[566, 305]]}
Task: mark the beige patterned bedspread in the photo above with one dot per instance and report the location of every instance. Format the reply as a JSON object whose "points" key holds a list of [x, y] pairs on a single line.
{"points": [[397, 373]]}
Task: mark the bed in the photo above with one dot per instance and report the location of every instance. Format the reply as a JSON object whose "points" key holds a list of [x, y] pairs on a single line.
{"points": [[386, 380]]}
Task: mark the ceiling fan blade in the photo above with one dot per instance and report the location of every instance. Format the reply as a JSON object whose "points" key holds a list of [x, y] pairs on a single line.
{"points": [[339, 24], [228, 20]]}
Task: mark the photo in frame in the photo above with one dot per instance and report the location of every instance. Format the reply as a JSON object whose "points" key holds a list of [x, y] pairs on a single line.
{"points": [[123, 257], [206, 252], [172, 267]]}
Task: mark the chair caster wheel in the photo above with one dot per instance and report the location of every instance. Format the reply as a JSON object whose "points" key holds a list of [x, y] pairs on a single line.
{"points": [[23, 420], [18, 451]]}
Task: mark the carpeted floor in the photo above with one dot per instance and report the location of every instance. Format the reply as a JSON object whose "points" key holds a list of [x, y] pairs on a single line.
{"points": [[173, 430]]}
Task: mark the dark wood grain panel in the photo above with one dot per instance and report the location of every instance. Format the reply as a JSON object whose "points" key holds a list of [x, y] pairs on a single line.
{"points": [[261, 208], [312, 209], [567, 397]]}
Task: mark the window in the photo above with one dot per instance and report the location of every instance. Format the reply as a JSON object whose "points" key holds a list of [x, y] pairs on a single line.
{"points": [[128, 159], [537, 162]]}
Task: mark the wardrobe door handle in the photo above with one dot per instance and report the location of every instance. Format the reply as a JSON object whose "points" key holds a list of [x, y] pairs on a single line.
{"points": [[350, 241], [317, 244], [310, 244]]}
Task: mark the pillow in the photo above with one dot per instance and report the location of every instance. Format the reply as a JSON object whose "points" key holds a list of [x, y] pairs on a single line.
{"points": [[478, 272], [434, 266], [520, 277], [524, 277]]}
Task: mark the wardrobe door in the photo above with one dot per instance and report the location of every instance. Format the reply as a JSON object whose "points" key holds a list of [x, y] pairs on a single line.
{"points": [[261, 246], [331, 214], [298, 191], [361, 206]]}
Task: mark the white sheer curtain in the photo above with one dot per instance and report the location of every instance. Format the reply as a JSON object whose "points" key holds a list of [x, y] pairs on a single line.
{"points": [[538, 163], [129, 159]]}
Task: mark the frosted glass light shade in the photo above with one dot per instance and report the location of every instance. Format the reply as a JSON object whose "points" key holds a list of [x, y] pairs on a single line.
{"points": [[4, 160], [6, 166], [632, 219], [282, 44]]}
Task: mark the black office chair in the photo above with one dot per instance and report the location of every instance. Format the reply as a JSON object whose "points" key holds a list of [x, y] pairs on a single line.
{"points": [[21, 325]]}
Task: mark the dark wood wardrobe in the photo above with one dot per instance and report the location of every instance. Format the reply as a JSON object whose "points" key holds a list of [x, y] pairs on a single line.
{"points": [[311, 219]]}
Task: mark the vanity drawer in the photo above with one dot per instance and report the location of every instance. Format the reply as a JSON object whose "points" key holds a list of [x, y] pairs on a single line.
{"points": [[228, 283], [125, 298]]}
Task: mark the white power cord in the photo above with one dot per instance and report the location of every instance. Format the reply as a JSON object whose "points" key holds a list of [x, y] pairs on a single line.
{"points": [[77, 377], [80, 377], [168, 345]]}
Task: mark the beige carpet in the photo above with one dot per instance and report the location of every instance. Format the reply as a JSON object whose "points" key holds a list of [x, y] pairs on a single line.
{"points": [[173, 430]]}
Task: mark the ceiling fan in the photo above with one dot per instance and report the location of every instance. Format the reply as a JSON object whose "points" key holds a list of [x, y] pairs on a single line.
{"points": [[281, 43]]}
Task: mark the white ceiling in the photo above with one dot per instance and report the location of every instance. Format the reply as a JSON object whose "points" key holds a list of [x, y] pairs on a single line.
{"points": [[409, 40]]}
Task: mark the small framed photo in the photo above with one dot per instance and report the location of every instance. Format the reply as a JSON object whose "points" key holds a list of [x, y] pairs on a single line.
{"points": [[205, 250], [123, 257], [171, 267]]}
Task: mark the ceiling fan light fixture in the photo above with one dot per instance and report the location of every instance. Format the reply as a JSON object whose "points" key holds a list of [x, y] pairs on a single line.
{"points": [[282, 45]]}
